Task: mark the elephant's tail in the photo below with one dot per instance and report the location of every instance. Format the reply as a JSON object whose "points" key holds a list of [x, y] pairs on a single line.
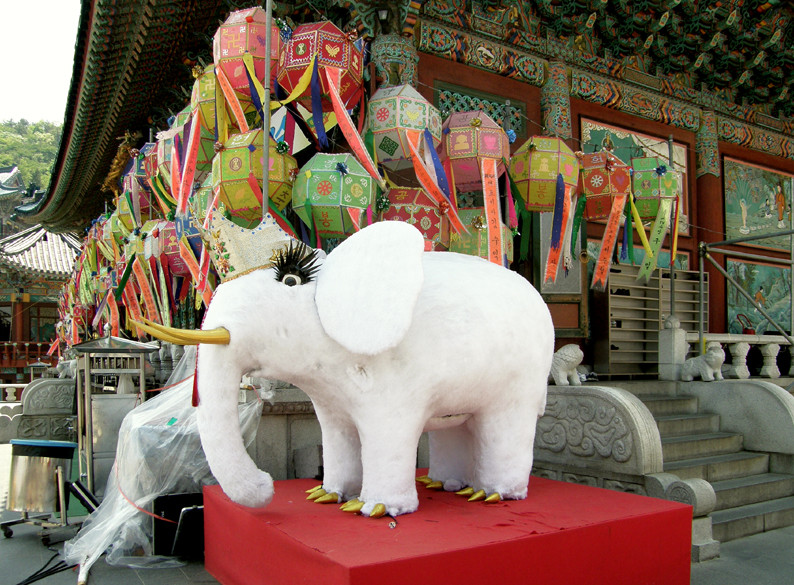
{"points": [[219, 335]]}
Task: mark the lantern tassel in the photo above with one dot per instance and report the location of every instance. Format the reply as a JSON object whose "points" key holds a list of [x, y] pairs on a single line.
{"points": [[441, 176], [231, 99], [561, 211], [658, 232], [317, 107], [604, 262], [577, 222], [333, 76], [493, 220]]}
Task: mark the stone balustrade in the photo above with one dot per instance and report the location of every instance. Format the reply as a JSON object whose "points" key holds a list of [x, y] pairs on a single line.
{"points": [[11, 392], [738, 345]]}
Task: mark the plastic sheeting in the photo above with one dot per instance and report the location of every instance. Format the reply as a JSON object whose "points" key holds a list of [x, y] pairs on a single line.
{"points": [[159, 452]]}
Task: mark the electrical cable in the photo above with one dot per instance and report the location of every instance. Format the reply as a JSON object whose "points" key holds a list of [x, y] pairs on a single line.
{"points": [[45, 572]]}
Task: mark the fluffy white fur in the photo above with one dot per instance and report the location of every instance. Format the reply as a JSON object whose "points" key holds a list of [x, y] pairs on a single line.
{"points": [[707, 366], [463, 337]]}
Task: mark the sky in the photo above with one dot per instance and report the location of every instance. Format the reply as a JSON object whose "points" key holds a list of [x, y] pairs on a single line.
{"points": [[37, 48]]}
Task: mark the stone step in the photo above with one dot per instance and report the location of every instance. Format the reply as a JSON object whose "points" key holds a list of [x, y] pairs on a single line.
{"points": [[732, 493], [687, 424], [643, 388], [669, 405], [700, 445], [743, 521], [720, 467]]}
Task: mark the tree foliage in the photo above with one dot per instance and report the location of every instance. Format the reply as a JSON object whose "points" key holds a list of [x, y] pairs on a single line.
{"points": [[31, 146]]}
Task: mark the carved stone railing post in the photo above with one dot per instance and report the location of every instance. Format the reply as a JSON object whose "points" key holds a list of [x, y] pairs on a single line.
{"points": [[770, 369], [738, 367]]}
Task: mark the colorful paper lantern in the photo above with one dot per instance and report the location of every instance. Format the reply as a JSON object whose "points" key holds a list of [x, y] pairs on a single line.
{"points": [[475, 243], [605, 182], [332, 48], [237, 176], [652, 181], [245, 31], [602, 177], [200, 202], [165, 144], [535, 167], [469, 137], [169, 248], [416, 207], [331, 192], [393, 111]]}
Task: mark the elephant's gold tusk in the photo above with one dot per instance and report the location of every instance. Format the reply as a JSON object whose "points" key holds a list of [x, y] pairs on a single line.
{"points": [[217, 336]]}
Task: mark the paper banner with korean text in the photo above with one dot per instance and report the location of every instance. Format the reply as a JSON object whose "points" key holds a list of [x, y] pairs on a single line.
{"points": [[493, 220], [658, 231], [334, 75], [604, 261]]}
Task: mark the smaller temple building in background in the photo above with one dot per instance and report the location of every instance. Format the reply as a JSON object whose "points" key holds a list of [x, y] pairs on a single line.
{"points": [[34, 264]]}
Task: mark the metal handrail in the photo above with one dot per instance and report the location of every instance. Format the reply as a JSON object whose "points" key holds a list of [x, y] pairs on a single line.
{"points": [[703, 252]]}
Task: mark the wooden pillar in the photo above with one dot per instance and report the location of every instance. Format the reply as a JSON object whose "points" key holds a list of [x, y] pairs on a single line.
{"points": [[710, 213]]}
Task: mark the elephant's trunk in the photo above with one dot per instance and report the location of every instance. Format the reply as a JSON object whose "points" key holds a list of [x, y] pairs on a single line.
{"points": [[219, 428]]}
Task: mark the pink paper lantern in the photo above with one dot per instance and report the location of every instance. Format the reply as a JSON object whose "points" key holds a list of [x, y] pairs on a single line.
{"points": [[467, 138]]}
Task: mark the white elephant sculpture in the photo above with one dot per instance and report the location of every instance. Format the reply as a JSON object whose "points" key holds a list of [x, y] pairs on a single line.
{"points": [[388, 341]]}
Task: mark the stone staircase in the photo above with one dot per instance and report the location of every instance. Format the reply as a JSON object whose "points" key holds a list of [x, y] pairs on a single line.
{"points": [[750, 498]]}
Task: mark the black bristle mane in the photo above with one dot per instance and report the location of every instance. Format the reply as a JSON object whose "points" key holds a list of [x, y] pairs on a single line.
{"points": [[298, 259]]}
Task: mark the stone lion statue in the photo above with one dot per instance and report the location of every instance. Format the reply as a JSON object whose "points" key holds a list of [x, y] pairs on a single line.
{"points": [[563, 365], [707, 366]]}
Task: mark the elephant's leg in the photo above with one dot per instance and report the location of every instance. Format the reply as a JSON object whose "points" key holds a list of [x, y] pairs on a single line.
{"points": [[502, 451], [450, 457], [388, 455], [341, 454]]}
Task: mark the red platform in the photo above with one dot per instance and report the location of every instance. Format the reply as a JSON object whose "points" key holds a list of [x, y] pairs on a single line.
{"points": [[562, 533]]}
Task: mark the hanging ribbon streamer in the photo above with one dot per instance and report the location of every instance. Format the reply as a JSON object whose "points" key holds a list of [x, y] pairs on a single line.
{"points": [[512, 218], [255, 87], [114, 316], [432, 189], [231, 99], [334, 76], [176, 168], [638, 225], [441, 175], [317, 107], [167, 203], [221, 119], [658, 232], [124, 278], [562, 211], [604, 262], [131, 302], [186, 254], [165, 301], [146, 289], [578, 214], [100, 310], [493, 221], [303, 83], [189, 171]]}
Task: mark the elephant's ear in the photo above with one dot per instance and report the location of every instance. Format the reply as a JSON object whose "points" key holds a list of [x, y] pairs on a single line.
{"points": [[368, 287]]}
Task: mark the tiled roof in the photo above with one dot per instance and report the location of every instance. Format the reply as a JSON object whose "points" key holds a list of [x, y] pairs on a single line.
{"points": [[37, 251], [10, 182], [131, 64]]}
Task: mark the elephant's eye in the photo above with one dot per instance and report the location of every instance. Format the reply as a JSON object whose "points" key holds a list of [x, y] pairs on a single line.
{"points": [[292, 279], [296, 264]]}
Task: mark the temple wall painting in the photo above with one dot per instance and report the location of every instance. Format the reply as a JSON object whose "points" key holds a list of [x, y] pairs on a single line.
{"points": [[769, 285], [757, 201]]}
